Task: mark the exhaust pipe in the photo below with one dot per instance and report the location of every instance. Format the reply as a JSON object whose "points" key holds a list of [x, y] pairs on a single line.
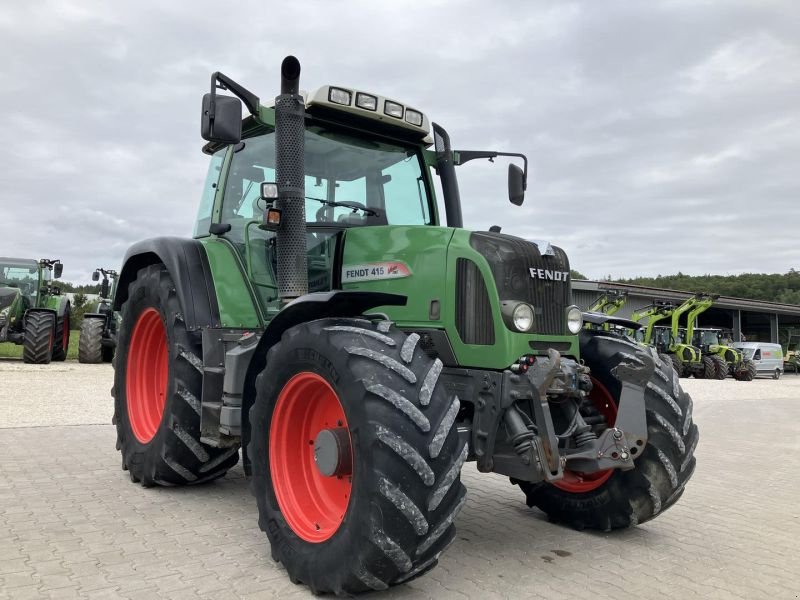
{"points": [[290, 111]]}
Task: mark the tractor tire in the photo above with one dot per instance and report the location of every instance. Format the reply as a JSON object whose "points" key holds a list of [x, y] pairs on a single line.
{"points": [[61, 342], [666, 358], [721, 367], [617, 499], [90, 344], [749, 372], [38, 338], [677, 365], [709, 368], [389, 521], [157, 388], [108, 354]]}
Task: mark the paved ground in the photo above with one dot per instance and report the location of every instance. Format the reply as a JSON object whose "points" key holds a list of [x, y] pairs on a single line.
{"points": [[72, 524]]}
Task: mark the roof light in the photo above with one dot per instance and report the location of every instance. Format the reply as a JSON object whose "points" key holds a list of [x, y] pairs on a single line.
{"points": [[393, 109], [339, 96], [366, 101], [414, 117]]}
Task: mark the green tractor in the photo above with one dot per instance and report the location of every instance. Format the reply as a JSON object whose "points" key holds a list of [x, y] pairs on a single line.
{"points": [[672, 341], [33, 312], [727, 359], [652, 335], [358, 351], [99, 326]]}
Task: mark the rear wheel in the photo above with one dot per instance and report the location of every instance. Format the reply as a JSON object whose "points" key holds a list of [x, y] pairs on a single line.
{"points": [[90, 343], [38, 338], [624, 498], [61, 341], [776, 374], [157, 389], [356, 456]]}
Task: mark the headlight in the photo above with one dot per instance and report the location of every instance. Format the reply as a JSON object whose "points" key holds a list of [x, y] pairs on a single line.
{"points": [[522, 317], [574, 319]]}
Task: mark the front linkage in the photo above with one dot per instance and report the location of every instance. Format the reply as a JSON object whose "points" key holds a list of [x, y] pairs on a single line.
{"points": [[528, 405]]}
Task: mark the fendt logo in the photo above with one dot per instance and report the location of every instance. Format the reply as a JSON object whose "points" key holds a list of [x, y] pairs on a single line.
{"points": [[548, 274]]}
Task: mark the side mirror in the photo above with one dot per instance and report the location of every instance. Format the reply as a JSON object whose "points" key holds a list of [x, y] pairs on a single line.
{"points": [[96, 276], [516, 185], [104, 289], [58, 268], [221, 120]]}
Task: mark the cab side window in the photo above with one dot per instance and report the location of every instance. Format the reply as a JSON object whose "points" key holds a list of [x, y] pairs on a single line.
{"points": [[203, 220], [757, 355]]}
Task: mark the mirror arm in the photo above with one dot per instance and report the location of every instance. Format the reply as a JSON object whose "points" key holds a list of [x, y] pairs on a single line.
{"points": [[223, 82], [462, 156]]}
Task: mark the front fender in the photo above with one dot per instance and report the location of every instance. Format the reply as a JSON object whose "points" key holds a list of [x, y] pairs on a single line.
{"points": [[187, 264], [319, 305]]}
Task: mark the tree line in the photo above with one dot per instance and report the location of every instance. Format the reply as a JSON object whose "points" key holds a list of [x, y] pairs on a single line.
{"points": [[771, 287]]}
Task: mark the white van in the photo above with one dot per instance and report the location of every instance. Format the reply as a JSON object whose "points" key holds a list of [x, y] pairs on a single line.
{"points": [[768, 358]]}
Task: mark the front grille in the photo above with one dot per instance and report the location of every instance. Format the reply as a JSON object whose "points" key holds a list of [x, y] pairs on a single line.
{"points": [[474, 321], [511, 260]]}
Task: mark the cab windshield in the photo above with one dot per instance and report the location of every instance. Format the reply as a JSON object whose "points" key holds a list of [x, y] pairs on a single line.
{"points": [[349, 181], [707, 338], [23, 277]]}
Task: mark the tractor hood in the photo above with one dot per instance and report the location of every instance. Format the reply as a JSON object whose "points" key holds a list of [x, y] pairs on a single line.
{"points": [[528, 271]]}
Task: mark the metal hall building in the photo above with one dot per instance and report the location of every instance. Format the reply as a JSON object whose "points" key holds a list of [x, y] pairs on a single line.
{"points": [[757, 320]]}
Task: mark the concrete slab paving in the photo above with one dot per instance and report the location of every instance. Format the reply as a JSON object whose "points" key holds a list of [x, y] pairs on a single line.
{"points": [[72, 525]]}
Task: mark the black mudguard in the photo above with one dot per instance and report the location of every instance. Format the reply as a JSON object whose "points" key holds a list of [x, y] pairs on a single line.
{"points": [[186, 261], [319, 305]]}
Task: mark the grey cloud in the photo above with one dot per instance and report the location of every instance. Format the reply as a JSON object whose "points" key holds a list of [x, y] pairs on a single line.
{"points": [[662, 136]]}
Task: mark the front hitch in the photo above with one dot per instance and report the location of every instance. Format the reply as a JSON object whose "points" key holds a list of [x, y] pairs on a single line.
{"points": [[537, 444], [618, 446]]}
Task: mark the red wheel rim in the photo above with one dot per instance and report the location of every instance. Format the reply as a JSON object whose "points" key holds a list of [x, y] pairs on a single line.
{"points": [[579, 483], [147, 375], [313, 505]]}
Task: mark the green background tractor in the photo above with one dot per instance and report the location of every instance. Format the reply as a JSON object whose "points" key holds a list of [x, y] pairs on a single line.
{"points": [[325, 321], [99, 325], [33, 312], [728, 360]]}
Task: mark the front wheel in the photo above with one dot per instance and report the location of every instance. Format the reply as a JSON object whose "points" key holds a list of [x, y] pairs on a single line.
{"points": [[721, 367], [356, 456], [38, 338], [616, 499], [748, 372], [90, 342], [157, 387]]}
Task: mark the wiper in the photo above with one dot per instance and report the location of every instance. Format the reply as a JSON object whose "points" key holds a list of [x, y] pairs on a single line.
{"points": [[351, 205]]}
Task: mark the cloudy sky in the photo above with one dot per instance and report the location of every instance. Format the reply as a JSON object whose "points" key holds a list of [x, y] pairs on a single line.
{"points": [[663, 136]]}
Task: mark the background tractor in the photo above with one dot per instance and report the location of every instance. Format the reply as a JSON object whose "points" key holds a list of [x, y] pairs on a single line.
{"points": [[99, 325], [791, 351], [673, 340], [728, 360], [359, 351], [32, 310]]}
